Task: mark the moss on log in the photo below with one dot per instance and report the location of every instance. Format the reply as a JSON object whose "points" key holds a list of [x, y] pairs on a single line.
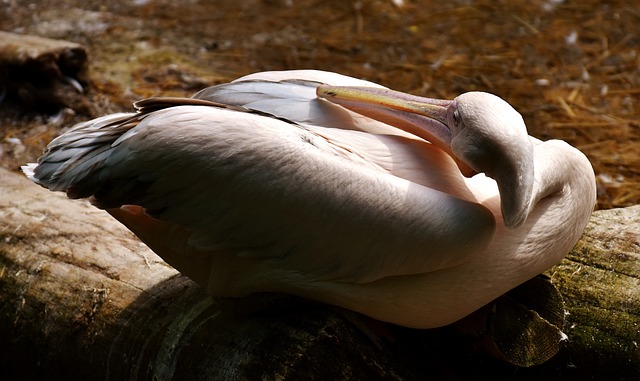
{"points": [[600, 282]]}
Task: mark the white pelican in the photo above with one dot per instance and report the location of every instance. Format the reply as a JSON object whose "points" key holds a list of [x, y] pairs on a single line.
{"points": [[347, 192]]}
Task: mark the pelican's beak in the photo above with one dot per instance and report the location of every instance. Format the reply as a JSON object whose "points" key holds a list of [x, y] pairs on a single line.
{"points": [[422, 117]]}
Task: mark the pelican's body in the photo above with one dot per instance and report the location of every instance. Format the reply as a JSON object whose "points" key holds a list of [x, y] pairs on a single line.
{"points": [[278, 190]]}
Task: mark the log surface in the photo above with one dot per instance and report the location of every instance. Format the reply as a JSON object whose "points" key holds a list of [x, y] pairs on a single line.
{"points": [[42, 74]]}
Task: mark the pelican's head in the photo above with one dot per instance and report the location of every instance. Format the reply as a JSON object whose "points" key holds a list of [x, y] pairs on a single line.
{"points": [[480, 131]]}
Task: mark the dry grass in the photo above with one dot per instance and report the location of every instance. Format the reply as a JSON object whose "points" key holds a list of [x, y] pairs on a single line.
{"points": [[571, 68]]}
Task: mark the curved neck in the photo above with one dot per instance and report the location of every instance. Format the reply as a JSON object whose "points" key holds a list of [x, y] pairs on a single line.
{"points": [[561, 171], [563, 198]]}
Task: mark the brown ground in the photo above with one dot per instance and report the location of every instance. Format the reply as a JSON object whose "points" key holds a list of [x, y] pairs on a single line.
{"points": [[571, 68]]}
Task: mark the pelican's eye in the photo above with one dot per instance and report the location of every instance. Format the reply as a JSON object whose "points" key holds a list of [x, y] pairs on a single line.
{"points": [[456, 117]]}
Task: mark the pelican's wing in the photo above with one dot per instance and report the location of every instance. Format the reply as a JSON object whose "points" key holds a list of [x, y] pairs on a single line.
{"points": [[246, 186], [85, 148]]}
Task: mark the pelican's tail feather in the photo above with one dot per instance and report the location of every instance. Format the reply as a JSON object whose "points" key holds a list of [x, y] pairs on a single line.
{"points": [[76, 156]]}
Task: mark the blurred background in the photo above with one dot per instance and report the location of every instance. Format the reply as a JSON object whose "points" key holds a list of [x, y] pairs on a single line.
{"points": [[571, 68]]}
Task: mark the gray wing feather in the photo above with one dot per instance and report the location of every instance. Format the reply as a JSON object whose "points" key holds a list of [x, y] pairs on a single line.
{"points": [[291, 100]]}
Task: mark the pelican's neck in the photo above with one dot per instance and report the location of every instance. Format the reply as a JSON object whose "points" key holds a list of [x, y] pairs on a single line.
{"points": [[563, 172], [563, 198]]}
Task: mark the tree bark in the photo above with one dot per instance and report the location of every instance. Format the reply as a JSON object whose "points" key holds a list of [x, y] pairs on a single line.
{"points": [[82, 298]]}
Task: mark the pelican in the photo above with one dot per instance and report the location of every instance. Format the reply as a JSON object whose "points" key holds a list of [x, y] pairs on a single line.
{"points": [[410, 210]]}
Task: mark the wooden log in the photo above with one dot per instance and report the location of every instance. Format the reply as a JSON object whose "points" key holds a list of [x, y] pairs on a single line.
{"points": [[82, 298], [42, 74], [600, 282]]}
